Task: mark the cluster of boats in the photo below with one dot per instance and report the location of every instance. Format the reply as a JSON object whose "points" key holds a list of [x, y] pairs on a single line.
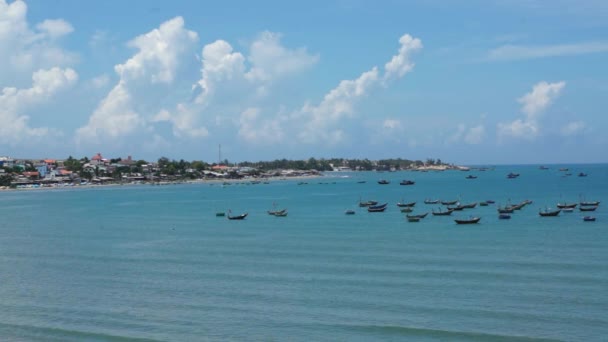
{"points": [[504, 212]]}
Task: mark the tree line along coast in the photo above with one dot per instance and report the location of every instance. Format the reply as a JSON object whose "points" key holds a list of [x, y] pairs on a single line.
{"points": [[33, 173]]}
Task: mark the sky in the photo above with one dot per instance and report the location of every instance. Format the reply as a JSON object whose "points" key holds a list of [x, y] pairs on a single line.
{"points": [[468, 82]]}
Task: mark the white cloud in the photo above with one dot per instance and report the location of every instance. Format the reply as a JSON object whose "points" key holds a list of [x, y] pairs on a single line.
{"points": [[400, 64], [270, 60], [392, 124], [153, 67], [542, 95], [24, 50], [521, 52], [55, 28], [573, 128], [339, 103], [13, 102], [534, 104]]}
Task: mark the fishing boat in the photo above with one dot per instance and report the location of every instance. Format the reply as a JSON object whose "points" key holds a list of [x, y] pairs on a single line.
{"points": [[443, 212], [582, 174], [483, 204], [587, 208], [237, 217], [406, 182], [449, 202], [504, 216], [383, 182], [512, 175], [505, 210], [360, 182], [349, 212], [548, 212], [568, 210], [430, 201], [471, 177], [589, 204], [220, 214], [367, 203], [420, 216], [468, 221], [456, 208], [377, 208], [563, 169], [403, 205], [566, 205], [413, 219], [490, 201], [543, 168], [589, 219], [282, 213], [468, 206], [407, 210], [277, 212]]}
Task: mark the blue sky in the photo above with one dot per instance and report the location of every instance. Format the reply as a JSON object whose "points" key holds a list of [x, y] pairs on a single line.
{"points": [[470, 82]]}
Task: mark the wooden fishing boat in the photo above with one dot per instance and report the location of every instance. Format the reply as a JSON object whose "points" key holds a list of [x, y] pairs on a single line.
{"points": [[403, 205], [383, 182], [367, 203], [237, 217], [468, 206], [504, 216], [449, 202], [468, 221], [443, 213], [220, 214], [407, 210], [420, 216], [566, 205], [483, 204], [589, 219], [413, 219], [548, 212], [587, 208], [505, 210], [471, 177], [589, 204], [277, 212], [349, 212], [377, 208], [430, 201], [282, 213], [406, 182]]}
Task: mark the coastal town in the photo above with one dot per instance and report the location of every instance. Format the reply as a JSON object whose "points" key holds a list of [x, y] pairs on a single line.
{"points": [[97, 170]]}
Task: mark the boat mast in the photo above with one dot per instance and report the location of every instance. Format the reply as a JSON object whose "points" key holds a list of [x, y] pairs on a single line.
{"points": [[219, 154]]}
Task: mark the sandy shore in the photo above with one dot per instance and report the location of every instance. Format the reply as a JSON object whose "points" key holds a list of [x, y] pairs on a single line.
{"points": [[195, 181]]}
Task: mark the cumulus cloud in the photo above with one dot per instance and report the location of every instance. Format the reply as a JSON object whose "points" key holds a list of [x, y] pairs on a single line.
{"points": [[271, 60], [339, 103], [55, 28], [469, 135], [400, 64], [534, 104], [24, 50], [14, 102], [158, 58]]}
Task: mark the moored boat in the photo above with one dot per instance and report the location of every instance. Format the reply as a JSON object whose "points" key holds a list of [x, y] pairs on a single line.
{"points": [[367, 203], [504, 216], [582, 174], [512, 175], [483, 204], [587, 208], [413, 219], [377, 208], [470, 177], [468, 221], [407, 210], [220, 214], [349, 212], [420, 216], [430, 201], [406, 182], [505, 210], [568, 210], [566, 205], [449, 202], [277, 212], [237, 217], [589, 204], [403, 205], [442, 213], [383, 182], [548, 212], [589, 218]]}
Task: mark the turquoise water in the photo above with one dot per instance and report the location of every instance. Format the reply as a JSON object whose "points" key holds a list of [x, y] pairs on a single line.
{"points": [[154, 263]]}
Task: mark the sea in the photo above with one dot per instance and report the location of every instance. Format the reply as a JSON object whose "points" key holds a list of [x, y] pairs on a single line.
{"points": [[155, 263]]}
